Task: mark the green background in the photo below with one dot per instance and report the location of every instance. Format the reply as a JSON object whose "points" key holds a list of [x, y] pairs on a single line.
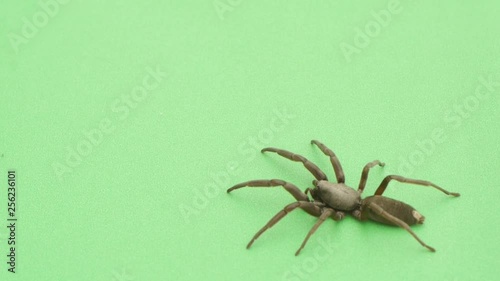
{"points": [[233, 77]]}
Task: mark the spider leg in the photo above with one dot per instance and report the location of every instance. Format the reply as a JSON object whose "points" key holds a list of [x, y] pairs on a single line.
{"points": [[310, 207], [364, 174], [337, 168], [292, 189], [381, 212], [387, 179], [315, 170], [326, 213]]}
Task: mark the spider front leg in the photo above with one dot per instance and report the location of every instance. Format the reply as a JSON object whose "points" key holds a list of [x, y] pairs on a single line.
{"points": [[292, 189], [337, 168], [310, 166], [327, 212], [310, 207], [385, 182], [364, 174]]}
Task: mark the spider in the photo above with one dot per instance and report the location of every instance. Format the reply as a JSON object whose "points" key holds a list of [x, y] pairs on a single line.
{"points": [[335, 199]]}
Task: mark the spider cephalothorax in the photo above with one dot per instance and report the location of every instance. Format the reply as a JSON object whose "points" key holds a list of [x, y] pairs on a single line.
{"points": [[335, 199]]}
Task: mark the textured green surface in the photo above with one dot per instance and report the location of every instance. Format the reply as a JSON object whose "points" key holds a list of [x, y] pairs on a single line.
{"points": [[120, 118]]}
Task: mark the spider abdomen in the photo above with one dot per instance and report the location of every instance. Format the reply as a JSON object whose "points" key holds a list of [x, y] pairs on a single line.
{"points": [[396, 208], [338, 195]]}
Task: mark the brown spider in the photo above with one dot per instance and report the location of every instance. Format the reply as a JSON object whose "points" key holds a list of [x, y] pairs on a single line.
{"points": [[334, 199]]}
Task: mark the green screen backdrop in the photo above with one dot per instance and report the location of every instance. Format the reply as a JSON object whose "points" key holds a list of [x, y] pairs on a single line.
{"points": [[122, 125]]}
